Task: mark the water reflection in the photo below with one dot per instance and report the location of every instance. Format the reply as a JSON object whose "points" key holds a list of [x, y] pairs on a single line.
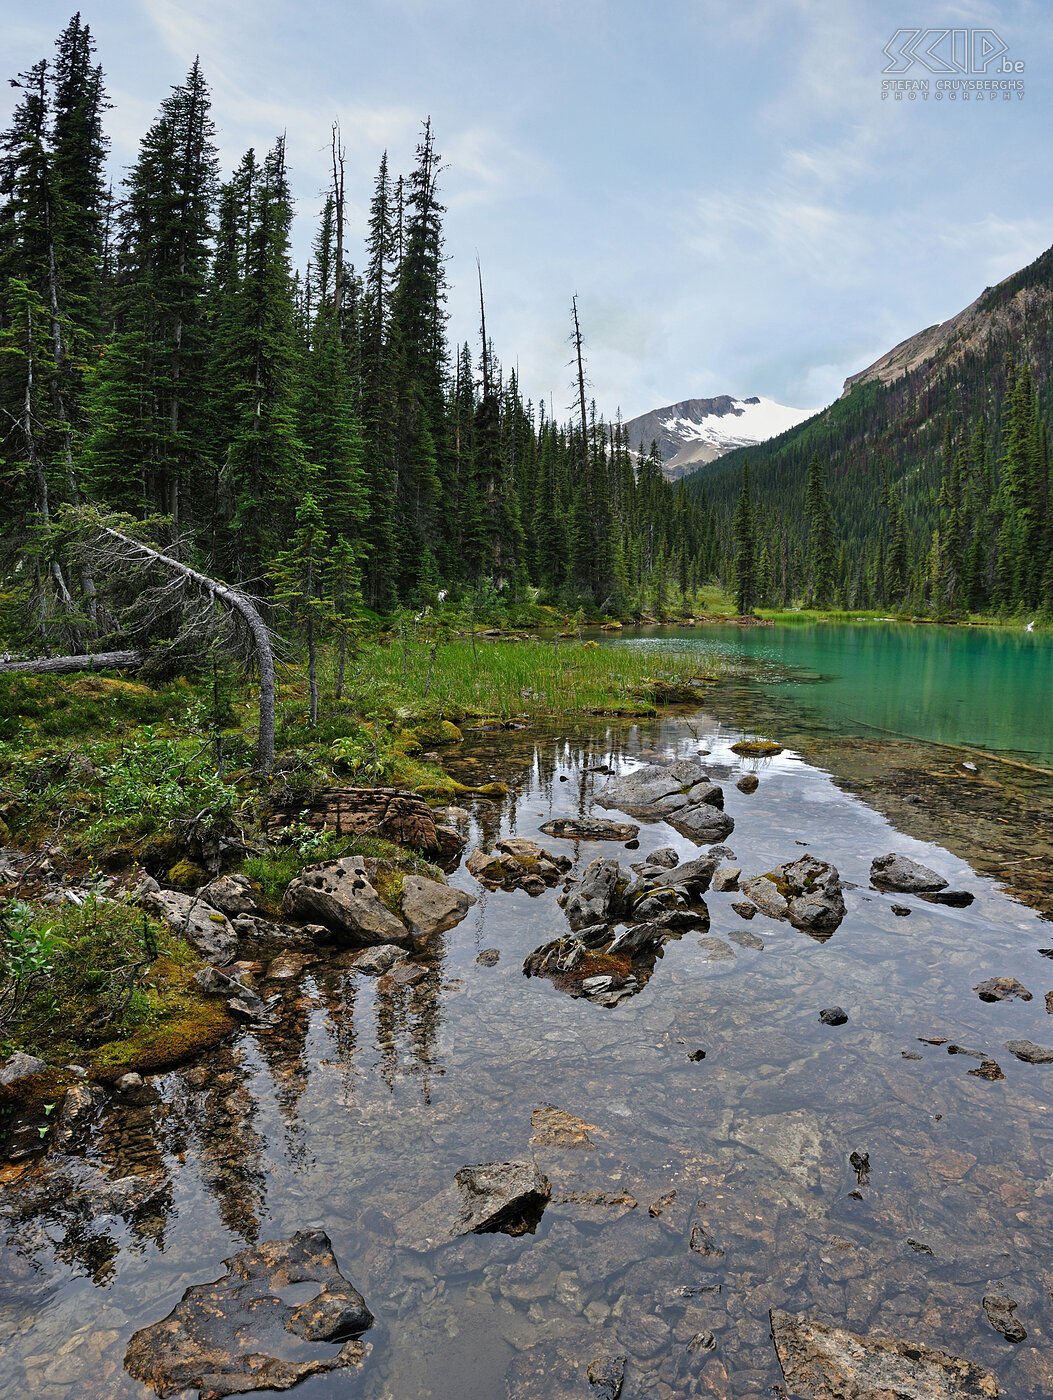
{"points": [[367, 1094]]}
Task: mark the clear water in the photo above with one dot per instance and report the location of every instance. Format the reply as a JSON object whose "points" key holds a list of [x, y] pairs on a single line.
{"points": [[986, 687], [362, 1102]]}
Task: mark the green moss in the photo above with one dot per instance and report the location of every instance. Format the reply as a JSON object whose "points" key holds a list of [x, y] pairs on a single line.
{"points": [[187, 1026], [436, 732], [756, 748], [388, 883], [187, 875]]}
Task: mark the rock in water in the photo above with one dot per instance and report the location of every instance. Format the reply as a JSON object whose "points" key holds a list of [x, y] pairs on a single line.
{"points": [[1001, 989], [833, 1016], [1029, 1052], [590, 829], [820, 1362], [509, 1197], [999, 1310], [431, 907], [517, 864], [806, 891], [206, 930], [680, 794], [903, 875], [231, 1336], [341, 896]]}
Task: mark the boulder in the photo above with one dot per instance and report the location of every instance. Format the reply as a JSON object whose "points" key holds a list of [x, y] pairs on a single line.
{"points": [[904, 876], [590, 829], [822, 1362], [340, 896], [749, 782], [726, 879], [509, 1197], [429, 907], [807, 892], [1029, 1052], [206, 930], [594, 897], [680, 794], [230, 894], [238, 1334], [20, 1066], [999, 1310]]}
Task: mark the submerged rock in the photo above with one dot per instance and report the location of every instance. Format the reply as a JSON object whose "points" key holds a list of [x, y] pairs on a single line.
{"points": [[821, 1362], [374, 962], [207, 931], [509, 1197], [341, 896], [544, 1372], [806, 891], [590, 829], [235, 1335], [749, 782], [903, 875], [999, 1310]]}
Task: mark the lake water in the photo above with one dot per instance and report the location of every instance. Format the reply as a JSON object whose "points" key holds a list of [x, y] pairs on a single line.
{"points": [[982, 686], [364, 1100]]}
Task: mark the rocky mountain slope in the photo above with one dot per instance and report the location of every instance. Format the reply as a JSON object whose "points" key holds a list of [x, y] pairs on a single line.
{"points": [[696, 431]]}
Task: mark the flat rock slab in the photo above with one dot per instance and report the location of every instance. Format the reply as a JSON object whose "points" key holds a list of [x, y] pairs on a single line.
{"points": [[554, 1127], [820, 1362], [206, 930], [544, 1372], [1029, 1052], [905, 876], [509, 1197], [262, 1326], [590, 829]]}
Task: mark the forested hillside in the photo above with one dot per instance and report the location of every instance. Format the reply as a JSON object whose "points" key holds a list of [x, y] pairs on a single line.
{"points": [[936, 485], [310, 433]]}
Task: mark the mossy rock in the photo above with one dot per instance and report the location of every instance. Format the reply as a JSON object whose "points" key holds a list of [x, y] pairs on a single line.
{"points": [[407, 743], [756, 748], [5, 832], [187, 875], [193, 1028], [157, 853], [438, 731]]}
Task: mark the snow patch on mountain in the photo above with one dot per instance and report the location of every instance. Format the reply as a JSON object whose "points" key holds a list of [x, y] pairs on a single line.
{"points": [[697, 431]]}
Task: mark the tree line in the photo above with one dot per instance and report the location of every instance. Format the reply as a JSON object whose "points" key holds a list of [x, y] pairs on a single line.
{"points": [[308, 434]]}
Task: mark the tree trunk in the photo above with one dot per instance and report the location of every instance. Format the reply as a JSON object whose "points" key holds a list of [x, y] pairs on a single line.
{"points": [[60, 665]]}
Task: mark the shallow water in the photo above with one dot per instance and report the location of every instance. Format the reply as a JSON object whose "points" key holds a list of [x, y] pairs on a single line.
{"points": [[360, 1105]]}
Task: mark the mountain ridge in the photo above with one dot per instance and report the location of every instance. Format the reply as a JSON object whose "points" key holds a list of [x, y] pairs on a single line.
{"points": [[697, 431]]}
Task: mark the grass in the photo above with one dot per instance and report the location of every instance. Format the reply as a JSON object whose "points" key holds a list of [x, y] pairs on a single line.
{"points": [[420, 680]]}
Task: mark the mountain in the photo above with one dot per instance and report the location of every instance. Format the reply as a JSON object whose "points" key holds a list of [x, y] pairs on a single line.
{"points": [[894, 419], [696, 431]]}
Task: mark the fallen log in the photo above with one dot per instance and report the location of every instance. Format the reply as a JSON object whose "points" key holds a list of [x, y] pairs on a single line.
{"points": [[59, 665]]}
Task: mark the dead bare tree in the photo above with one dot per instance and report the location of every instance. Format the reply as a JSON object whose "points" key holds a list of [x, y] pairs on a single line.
{"points": [[163, 592]]}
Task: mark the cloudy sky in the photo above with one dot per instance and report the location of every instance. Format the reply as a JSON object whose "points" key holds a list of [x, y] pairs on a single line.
{"points": [[721, 182]]}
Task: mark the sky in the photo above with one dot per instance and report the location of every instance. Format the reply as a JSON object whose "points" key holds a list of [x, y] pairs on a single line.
{"points": [[721, 183]]}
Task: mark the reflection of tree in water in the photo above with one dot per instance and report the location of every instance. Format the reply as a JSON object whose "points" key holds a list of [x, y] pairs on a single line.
{"points": [[283, 1046], [220, 1117], [412, 1015], [338, 994]]}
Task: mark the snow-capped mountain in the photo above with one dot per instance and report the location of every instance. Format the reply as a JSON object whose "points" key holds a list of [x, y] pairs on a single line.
{"points": [[697, 431]]}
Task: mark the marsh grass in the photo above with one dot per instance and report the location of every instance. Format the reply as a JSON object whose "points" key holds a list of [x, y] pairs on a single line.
{"points": [[503, 679]]}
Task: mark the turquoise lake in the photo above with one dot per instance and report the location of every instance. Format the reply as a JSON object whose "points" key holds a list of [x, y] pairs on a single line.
{"points": [[984, 687]]}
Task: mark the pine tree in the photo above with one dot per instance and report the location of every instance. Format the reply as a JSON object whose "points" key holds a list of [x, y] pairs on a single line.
{"points": [[745, 550], [821, 560]]}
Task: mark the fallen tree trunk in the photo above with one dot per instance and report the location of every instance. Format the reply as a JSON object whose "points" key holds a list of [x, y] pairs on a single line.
{"points": [[60, 665]]}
